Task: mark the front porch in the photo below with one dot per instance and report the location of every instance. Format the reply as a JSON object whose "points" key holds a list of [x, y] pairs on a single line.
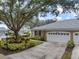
{"points": [[41, 34]]}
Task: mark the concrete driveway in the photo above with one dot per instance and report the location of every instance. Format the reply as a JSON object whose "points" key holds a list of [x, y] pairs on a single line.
{"points": [[43, 51], [75, 52]]}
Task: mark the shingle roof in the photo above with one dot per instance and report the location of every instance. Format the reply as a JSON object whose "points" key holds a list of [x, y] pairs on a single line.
{"points": [[68, 25]]}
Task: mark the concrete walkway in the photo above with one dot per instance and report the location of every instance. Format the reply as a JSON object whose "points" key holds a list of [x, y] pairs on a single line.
{"points": [[75, 52], [43, 51]]}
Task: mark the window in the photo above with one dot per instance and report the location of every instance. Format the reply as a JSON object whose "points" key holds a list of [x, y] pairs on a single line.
{"points": [[54, 33], [35, 32], [50, 33], [64, 33], [58, 33], [39, 33], [61, 33]]}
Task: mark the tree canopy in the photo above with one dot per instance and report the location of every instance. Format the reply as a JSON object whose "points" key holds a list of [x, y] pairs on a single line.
{"points": [[15, 13]]}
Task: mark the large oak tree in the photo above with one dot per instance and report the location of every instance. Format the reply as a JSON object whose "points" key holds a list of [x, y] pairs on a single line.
{"points": [[15, 13]]}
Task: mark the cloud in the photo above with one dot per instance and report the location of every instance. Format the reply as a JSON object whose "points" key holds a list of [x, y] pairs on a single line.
{"points": [[74, 14], [59, 18], [60, 9]]}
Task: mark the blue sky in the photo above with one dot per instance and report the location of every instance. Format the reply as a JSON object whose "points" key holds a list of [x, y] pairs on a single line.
{"points": [[64, 16]]}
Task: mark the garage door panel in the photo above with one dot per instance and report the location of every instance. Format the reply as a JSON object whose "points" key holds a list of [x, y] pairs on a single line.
{"points": [[62, 37], [57, 37], [76, 37]]}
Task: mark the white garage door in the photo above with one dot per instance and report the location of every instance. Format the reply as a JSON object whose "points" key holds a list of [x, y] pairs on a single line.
{"points": [[76, 37], [58, 37]]}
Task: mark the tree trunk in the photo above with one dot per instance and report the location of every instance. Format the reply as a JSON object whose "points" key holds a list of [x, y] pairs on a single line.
{"points": [[16, 36]]}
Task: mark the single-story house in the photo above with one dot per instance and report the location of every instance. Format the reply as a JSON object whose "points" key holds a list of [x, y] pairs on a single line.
{"points": [[60, 31]]}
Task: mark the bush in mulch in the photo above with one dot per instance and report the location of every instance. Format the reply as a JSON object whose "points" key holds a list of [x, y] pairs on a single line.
{"points": [[10, 47]]}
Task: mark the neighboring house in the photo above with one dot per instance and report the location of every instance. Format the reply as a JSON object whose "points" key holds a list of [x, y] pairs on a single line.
{"points": [[3, 29], [60, 31], [24, 29]]}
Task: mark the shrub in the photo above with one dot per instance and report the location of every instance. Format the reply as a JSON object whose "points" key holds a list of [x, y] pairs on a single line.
{"points": [[13, 46], [26, 34], [26, 39], [10, 40], [16, 46], [70, 44], [36, 38], [3, 43], [32, 43], [10, 34]]}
